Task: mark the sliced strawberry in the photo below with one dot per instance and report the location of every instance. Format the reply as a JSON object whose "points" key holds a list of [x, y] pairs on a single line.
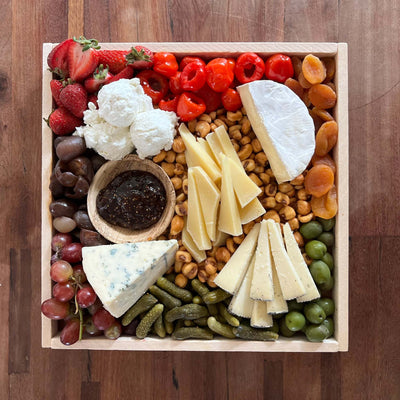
{"points": [[126, 73], [140, 57], [57, 60], [56, 87], [74, 98], [82, 58], [100, 77], [62, 122], [114, 59]]}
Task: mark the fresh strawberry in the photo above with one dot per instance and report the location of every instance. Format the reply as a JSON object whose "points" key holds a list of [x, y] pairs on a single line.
{"points": [[56, 87], [140, 57], [57, 60], [93, 99], [126, 73], [62, 122], [114, 59], [100, 77], [82, 58], [74, 98]]}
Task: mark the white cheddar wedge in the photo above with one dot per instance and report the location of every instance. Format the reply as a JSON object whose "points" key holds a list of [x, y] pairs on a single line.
{"points": [[300, 265], [209, 196], [229, 218], [215, 145], [259, 316], [289, 280], [197, 155], [241, 303], [190, 246], [278, 305], [282, 124], [262, 287], [227, 146], [220, 240], [245, 189], [205, 145], [231, 276], [195, 219], [251, 211]]}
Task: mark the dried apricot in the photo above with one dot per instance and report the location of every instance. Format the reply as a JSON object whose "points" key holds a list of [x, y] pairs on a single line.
{"points": [[296, 65], [295, 86], [322, 96], [323, 114], [319, 180], [317, 120], [330, 68], [326, 138], [306, 99], [326, 206], [303, 81], [313, 69], [326, 160]]}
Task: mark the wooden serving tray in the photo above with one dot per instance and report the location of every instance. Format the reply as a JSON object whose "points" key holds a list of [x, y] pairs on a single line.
{"points": [[50, 336]]}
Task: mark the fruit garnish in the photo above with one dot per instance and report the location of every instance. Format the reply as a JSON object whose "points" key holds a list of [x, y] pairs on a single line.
{"points": [[82, 58], [140, 57]]}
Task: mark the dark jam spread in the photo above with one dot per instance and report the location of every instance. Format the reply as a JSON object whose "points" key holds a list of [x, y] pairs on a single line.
{"points": [[133, 200]]}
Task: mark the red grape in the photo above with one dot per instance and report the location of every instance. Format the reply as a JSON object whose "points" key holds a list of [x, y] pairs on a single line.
{"points": [[79, 274], [103, 319], [95, 307], [70, 333], [61, 271], [72, 252], [114, 331], [86, 297], [54, 258], [131, 328], [55, 309], [63, 291], [60, 240], [91, 328]]}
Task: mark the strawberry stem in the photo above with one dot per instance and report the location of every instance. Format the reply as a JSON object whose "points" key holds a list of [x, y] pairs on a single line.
{"points": [[135, 55], [87, 43], [100, 72]]}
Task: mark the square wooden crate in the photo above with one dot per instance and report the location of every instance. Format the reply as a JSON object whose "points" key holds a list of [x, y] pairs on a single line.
{"points": [[339, 342]]}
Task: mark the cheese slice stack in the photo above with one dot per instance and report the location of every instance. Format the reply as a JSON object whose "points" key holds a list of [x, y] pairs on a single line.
{"points": [[121, 273], [282, 124]]}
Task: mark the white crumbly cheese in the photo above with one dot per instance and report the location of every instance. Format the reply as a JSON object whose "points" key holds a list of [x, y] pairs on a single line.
{"points": [[282, 124], [153, 131], [120, 101], [121, 273]]}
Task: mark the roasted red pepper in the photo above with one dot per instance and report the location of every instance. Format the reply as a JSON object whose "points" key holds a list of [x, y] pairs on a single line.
{"points": [[231, 100], [188, 59], [154, 84], [249, 67], [211, 99], [219, 74], [175, 83], [169, 105], [279, 68], [190, 106], [165, 63], [193, 76]]}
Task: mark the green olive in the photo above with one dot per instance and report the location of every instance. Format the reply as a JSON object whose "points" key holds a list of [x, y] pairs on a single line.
{"points": [[327, 286], [314, 313], [284, 330], [293, 305], [315, 249], [317, 333], [327, 224], [320, 272], [327, 305], [328, 260], [295, 321], [328, 322], [311, 230], [328, 238]]}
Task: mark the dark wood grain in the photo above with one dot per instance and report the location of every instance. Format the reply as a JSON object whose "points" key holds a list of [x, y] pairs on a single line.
{"points": [[370, 370]]}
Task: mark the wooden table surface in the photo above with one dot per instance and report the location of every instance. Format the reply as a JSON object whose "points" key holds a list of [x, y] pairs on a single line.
{"points": [[371, 368]]}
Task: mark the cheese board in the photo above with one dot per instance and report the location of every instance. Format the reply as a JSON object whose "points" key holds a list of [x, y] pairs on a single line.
{"points": [[225, 164]]}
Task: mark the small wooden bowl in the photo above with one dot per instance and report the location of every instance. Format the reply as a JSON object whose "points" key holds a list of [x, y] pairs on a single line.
{"points": [[104, 176]]}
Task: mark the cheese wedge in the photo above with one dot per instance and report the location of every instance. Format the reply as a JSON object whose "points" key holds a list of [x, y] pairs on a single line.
{"points": [[220, 239], [209, 196], [205, 145], [282, 124], [195, 219], [259, 315], [190, 246], [262, 287], [278, 305], [197, 155], [289, 280], [300, 265], [216, 148], [231, 276], [229, 218], [241, 303], [251, 211], [227, 146]]}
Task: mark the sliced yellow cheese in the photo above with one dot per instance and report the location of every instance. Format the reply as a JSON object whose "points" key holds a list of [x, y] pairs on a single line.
{"points": [[190, 246], [262, 286], [300, 265], [241, 303], [278, 305], [229, 218], [197, 155], [215, 145], [251, 211], [220, 239], [259, 316], [233, 272], [209, 200], [195, 220], [227, 146], [205, 145], [289, 280]]}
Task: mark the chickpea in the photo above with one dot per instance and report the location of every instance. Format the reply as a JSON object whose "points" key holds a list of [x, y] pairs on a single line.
{"points": [[219, 122], [160, 156], [261, 159], [299, 180], [176, 225], [256, 145], [203, 127], [278, 207], [238, 239], [234, 128], [178, 266], [299, 238], [236, 135], [181, 198], [272, 214], [255, 179], [211, 269], [287, 213], [192, 125], [178, 146], [265, 178], [211, 261], [303, 207], [206, 118], [211, 253], [235, 145], [230, 245], [246, 126], [202, 276], [213, 115], [181, 158], [249, 165], [179, 169], [285, 187], [181, 280], [307, 259], [170, 270], [268, 202], [222, 254], [210, 280], [259, 169], [306, 218], [221, 111], [170, 157], [245, 140], [271, 189], [185, 186], [213, 126], [245, 151], [243, 110], [168, 168], [220, 266], [282, 198], [294, 224], [177, 182], [234, 116], [248, 227], [302, 194], [183, 256], [190, 270], [181, 209], [270, 173]]}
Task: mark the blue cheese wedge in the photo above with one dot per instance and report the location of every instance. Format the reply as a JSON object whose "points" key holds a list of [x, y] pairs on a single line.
{"points": [[282, 124], [121, 273]]}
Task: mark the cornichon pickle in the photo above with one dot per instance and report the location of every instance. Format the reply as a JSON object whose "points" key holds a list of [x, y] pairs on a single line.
{"points": [[248, 333], [215, 296], [143, 304], [199, 288], [197, 300], [164, 297], [188, 311], [159, 327], [201, 321], [221, 329], [169, 326], [229, 318], [212, 309], [146, 323], [174, 290], [188, 322], [192, 333]]}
